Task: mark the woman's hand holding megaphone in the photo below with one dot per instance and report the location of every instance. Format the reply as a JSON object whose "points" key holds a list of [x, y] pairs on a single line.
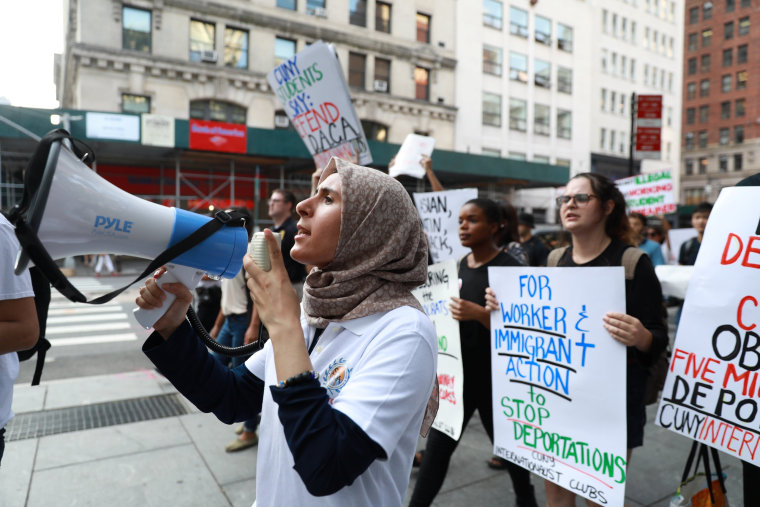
{"points": [[152, 296]]}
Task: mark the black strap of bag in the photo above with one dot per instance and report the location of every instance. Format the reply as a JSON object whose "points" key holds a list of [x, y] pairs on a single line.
{"points": [[700, 451]]}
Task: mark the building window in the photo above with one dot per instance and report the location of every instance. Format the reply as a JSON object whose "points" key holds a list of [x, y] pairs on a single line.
{"points": [[725, 110], [202, 41], [217, 110], [746, 3], [137, 104], [564, 124], [706, 37], [492, 60], [704, 63], [690, 115], [693, 15], [689, 166], [694, 195], [543, 30], [382, 75], [518, 22], [730, 5], [602, 139], [724, 136], [375, 131], [744, 26], [383, 17], [739, 134], [741, 80], [541, 159], [491, 109], [492, 13], [564, 37], [723, 163], [236, 48], [738, 162], [357, 12], [423, 28], [613, 140], [728, 57], [490, 152], [283, 49], [287, 4], [707, 9], [704, 88], [691, 66], [702, 169], [516, 155], [689, 140], [541, 119], [136, 29], [691, 90], [356, 70], [693, 41], [421, 83], [725, 83], [702, 139], [741, 54], [728, 30], [542, 73], [281, 121], [704, 112], [565, 79], [603, 102], [518, 115], [518, 67], [739, 107], [316, 8]]}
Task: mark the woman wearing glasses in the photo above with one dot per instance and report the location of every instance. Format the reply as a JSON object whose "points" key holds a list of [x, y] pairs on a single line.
{"points": [[592, 210]]}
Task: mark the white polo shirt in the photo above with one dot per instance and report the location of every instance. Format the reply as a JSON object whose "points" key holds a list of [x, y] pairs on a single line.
{"points": [[379, 371], [11, 287]]}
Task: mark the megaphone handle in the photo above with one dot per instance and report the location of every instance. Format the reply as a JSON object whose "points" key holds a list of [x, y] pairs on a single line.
{"points": [[189, 277]]}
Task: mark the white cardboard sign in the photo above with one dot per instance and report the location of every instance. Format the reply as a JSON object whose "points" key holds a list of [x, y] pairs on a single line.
{"points": [[439, 212], [408, 157]]}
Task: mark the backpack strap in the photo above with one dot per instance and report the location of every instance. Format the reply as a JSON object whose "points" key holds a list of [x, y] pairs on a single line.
{"points": [[554, 256], [630, 259]]}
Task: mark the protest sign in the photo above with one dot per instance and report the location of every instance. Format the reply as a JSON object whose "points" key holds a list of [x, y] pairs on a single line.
{"points": [[439, 212], [311, 88], [559, 395], [408, 157], [649, 194], [435, 296], [711, 392]]}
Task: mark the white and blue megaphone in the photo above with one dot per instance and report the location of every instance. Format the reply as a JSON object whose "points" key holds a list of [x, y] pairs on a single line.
{"points": [[74, 211]]}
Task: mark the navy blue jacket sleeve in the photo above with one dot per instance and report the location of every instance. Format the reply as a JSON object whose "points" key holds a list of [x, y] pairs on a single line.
{"points": [[329, 449], [232, 395]]}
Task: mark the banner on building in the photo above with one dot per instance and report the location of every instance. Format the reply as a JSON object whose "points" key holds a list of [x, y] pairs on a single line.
{"points": [[218, 136], [157, 130], [435, 296], [120, 127], [311, 88], [408, 158], [439, 212], [649, 194], [648, 126], [559, 382], [712, 393]]}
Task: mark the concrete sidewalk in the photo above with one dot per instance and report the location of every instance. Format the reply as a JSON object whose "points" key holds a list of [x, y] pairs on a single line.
{"points": [[88, 456]]}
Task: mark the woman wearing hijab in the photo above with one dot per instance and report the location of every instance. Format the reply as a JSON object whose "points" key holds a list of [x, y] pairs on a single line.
{"points": [[343, 383]]}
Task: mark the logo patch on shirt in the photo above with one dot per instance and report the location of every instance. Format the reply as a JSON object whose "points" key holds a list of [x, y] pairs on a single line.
{"points": [[335, 377]]}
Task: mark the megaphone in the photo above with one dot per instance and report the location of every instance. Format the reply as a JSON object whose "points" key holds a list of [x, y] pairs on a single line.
{"points": [[74, 211]]}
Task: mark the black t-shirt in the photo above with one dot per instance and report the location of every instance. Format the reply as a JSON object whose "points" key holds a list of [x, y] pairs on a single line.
{"points": [[536, 250], [296, 270], [687, 256], [474, 282], [643, 297]]}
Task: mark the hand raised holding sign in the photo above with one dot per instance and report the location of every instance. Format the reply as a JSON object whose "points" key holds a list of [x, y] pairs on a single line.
{"points": [[628, 330]]}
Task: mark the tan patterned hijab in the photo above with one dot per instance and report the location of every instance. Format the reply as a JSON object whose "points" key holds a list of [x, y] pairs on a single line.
{"points": [[381, 255]]}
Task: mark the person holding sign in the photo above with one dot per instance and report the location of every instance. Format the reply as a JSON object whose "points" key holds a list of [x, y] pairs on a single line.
{"points": [[344, 381], [592, 209], [479, 222]]}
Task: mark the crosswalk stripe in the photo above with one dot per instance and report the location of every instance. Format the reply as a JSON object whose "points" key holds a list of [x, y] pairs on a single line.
{"points": [[85, 328], [86, 318], [77, 309], [89, 340]]}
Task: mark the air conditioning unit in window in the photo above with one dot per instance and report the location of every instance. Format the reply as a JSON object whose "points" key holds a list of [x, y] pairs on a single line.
{"points": [[320, 12], [281, 121], [380, 86], [208, 56]]}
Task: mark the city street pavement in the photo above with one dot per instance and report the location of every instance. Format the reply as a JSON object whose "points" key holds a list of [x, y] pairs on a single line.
{"points": [[180, 459]]}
